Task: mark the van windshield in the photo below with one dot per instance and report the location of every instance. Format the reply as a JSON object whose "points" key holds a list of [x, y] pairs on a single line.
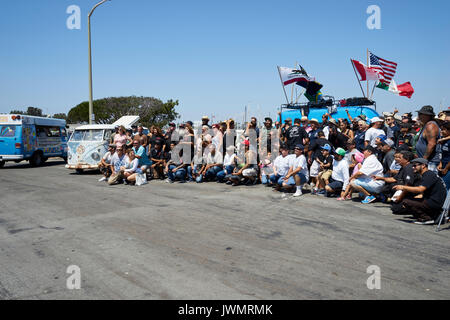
{"points": [[87, 135], [7, 131]]}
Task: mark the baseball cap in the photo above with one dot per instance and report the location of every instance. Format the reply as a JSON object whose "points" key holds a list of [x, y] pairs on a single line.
{"points": [[420, 160], [388, 142], [172, 124], [326, 147], [300, 146], [246, 143], [382, 137], [376, 119], [340, 152]]}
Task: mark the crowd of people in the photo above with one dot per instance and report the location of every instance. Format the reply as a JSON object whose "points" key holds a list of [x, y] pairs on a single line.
{"points": [[405, 163]]}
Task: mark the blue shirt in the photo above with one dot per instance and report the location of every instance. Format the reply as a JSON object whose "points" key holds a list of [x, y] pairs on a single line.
{"points": [[143, 160], [445, 153]]}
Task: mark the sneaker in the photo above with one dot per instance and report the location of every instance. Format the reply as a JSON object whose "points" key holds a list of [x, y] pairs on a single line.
{"points": [[182, 181], [228, 182], [168, 180], [298, 193], [321, 192], [383, 198], [102, 179], [340, 199], [369, 199], [424, 222], [314, 191]]}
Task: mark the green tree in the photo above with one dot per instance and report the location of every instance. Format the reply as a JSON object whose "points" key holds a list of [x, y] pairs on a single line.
{"points": [[152, 111], [60, 116], [31, 111]]}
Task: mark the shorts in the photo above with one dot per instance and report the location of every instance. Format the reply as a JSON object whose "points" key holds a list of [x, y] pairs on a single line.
{"points": [[249, 172], [370, 186], [325, 175], [303, 179], [314, 170], [335, 184]]}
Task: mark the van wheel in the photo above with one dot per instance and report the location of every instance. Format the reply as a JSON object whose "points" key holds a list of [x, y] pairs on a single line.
{"points": [[36, 160], [2, 164], [79, 171]]}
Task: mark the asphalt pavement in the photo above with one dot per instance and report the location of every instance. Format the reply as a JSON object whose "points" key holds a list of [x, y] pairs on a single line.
{"points": [[205, 241]]}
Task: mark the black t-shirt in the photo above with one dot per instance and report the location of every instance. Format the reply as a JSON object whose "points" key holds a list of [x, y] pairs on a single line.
{"points": [[407, 176], [326, 160], [154, 139], [436, 192], [295, 135], [316, 146], [404, 139], [338, 140], [157, 154]]}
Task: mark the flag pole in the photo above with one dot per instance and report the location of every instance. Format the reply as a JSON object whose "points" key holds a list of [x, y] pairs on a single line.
{"points": [[375, 84], [292, 91], [282, 84], [368, 64], [357, 78]]}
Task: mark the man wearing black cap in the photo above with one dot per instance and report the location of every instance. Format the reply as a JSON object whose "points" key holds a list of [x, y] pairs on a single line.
{"points": [[427, 146], [295, 135], [427, 209]]}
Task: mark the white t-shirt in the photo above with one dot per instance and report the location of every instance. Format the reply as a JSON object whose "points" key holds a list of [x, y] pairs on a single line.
{"points": [[372, 167], [300, 161], [341, 172], [217, 158], [282, 164], [228, 160], [107, 157], [372, 134]]}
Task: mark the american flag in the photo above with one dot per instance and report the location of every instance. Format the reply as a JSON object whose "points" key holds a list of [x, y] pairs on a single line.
{"points": [[385, 68]]}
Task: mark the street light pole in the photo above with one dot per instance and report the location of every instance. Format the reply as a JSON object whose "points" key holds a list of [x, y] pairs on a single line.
{"points": [[91, 102]]}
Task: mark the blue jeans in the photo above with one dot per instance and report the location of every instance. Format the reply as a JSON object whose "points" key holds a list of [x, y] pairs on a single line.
{"points": [[180, 174], [191, 172], [276, 179], [264, 179], [221, 174], [291, 180], [446, 179]]}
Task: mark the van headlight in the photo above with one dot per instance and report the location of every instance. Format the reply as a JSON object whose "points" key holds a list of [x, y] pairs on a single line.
{"points": [[95, 156]]}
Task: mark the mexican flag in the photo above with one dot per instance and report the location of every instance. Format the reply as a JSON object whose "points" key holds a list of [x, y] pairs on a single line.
{"points": [[405, 89]]}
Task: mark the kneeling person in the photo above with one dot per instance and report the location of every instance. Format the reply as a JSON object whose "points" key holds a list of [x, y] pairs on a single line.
{"points": [[298, 173]]}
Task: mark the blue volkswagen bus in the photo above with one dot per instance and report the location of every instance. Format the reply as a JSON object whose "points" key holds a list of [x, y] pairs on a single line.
{"points": [[34, 139]]}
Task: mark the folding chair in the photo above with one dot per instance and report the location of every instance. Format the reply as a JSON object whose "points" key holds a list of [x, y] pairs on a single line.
{"points": [[443, 217]]}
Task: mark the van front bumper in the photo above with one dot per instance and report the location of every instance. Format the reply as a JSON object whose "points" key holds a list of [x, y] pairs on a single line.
{"points": [[82, 166], [9, 157]]}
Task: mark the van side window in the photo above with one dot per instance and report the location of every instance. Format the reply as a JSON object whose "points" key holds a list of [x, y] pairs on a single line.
{"points": [[48, 132]]}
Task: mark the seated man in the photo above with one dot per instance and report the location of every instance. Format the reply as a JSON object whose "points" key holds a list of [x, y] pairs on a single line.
{"points": [[158, 158], [405, 176], [325, 161], [298, 173], [281, 167], [363, 180], [141, 154], [229, 163], [340, 176], [105, 164], [118, 162], [176, 167], [249, 170], [431, 186], [214, 164]]}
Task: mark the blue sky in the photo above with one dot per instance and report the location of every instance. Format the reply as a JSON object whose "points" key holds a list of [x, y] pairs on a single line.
{"points": [[216, 57]]}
